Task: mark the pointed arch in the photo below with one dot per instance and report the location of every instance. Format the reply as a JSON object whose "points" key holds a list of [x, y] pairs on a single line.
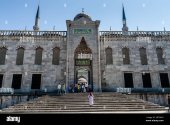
{"points": [[159, 52], [38, 56], [20, 56], [125, 54], [3, 51], [109, 57], [83, 48], [56, 56], [143, 56]]}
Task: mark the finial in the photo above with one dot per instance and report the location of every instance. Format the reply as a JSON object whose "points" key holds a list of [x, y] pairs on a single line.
{"points": [[137, 28], [82, 10], [53, 28], [110, 28], [164, 29]]}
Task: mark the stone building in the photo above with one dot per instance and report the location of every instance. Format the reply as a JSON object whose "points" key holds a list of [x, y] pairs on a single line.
{"points": [[107, 60]]}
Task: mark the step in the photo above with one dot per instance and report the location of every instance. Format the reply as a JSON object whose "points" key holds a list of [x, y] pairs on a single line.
{"points": [[78, 102]]}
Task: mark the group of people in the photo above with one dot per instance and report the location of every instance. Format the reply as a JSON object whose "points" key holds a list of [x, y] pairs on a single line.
{"points": [[61, 88], [79, 87], [83, 87]]}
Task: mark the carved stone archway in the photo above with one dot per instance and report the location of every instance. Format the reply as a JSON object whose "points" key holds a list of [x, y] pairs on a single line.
{"points": [[82, 48], [83, 60]]}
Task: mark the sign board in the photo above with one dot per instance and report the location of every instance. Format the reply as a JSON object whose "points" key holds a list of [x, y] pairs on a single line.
{"points": [[82, 31], [83, 62]]}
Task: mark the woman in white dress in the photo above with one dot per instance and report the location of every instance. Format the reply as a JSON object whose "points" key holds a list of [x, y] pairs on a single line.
{"points": [[91, 99]]}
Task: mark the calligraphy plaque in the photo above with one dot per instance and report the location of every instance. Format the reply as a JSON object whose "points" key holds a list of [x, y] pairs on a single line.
{"points": [[83, 62], [82, 31]]}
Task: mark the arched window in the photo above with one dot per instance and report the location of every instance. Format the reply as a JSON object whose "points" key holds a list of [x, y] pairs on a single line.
{"points": [[159, 53], [38, 56], [109, 57], [3, 51], [56, 56], [143, 56], [20, 56], [125, 53]]}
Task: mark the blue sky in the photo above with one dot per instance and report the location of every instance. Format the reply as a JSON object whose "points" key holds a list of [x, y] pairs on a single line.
{"points": [[148, 15]]}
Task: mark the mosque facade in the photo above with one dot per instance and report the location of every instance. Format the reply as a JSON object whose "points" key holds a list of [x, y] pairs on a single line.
{"points": [[133, 61]]}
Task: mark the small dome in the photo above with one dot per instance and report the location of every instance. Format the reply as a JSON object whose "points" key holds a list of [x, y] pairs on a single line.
{"points": [[81, 15]]}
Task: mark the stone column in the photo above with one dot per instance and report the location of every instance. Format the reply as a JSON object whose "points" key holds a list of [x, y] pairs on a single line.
{"points": [[155, 80], [138, 80]]}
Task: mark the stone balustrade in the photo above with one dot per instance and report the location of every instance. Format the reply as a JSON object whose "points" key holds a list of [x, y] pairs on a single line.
{"points": [[22, 35], [18, 35], [135, 36]]}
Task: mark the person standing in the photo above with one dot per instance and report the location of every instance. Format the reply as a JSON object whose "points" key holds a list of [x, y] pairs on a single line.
{"points": [[76, 88], [86, 87], [63, 88], [91, 99], [82, 87], [59, 89]]}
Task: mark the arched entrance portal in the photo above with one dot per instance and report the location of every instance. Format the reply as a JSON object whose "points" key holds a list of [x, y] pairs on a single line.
{"points": [[83, 64], [82, 75]]}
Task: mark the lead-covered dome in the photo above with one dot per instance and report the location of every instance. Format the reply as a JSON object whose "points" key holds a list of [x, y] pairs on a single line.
{"points": [[82, 15]]}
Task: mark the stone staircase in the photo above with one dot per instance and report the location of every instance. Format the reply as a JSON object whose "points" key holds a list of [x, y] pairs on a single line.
{"points": [[78, 103]]}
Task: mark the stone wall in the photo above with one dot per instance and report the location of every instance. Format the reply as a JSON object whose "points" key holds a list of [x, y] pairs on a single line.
{"points": [[51, 74], [161, 99], [114, 73], [6, 101]]}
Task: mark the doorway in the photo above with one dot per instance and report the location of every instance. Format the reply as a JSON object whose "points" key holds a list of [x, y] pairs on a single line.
{"points": [[164, 80], [128, 78], [16, 81], [36, 81], [83, 64], [84, 77], [1, 79], [146, 80]]}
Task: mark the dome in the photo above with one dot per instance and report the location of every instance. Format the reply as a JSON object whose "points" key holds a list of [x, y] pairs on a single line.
{"points": [[81, 15]]}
